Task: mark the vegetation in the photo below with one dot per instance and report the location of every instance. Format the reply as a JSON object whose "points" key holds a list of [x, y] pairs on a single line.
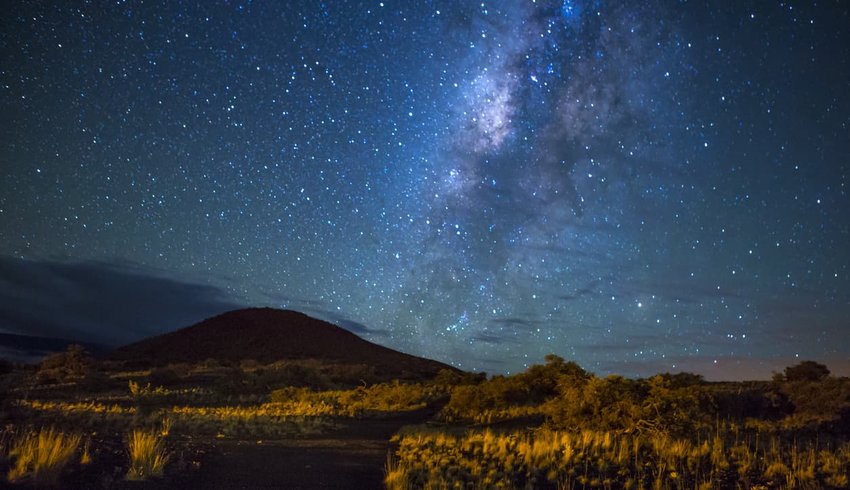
{"points": [[290, 411], [364, 400], [73, 364], [605, 459], [147, 454], [806, 371], [40, 457], [667, 431], [507, 397], [552, 426], [566, 397]]}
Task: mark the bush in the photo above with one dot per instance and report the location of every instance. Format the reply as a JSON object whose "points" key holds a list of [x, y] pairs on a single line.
{"points": [[819, 405], [73, 364], [41, 457], [806, 371], [507, 396]]}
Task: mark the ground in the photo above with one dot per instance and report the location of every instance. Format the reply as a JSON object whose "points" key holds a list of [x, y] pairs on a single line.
{"points": [[351, 456]]}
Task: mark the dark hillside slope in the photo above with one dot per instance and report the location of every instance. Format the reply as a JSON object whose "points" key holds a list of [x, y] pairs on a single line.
{"points": [[268, 335]]}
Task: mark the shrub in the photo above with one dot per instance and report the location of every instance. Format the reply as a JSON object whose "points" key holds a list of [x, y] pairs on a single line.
{"points": [[147, 455], [41, 457], [806, 371], [819, 405], [507, 396], [72, 364]]}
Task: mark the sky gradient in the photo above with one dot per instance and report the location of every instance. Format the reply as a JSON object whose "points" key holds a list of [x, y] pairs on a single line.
{"points": [[636, 186]]}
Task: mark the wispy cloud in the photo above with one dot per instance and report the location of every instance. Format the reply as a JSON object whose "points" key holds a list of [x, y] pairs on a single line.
{"points": [[342, 321]]}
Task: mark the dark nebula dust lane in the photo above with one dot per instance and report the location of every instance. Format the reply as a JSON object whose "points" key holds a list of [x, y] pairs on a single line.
{"points": [[637, 186]]}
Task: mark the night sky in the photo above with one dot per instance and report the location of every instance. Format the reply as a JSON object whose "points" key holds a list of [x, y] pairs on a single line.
{"points": [[636, 186]]}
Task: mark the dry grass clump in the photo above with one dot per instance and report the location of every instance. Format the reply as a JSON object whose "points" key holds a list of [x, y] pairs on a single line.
{"points": [[147, 455], [40, 457], [395, 475]]}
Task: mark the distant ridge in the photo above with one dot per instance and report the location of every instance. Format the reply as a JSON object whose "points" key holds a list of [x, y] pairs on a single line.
{"points": [[267, 335]]}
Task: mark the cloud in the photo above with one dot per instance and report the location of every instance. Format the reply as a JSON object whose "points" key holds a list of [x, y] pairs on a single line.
{"points": [[343, 321], [488, 338], [320, 309], [513, 324], [105, 302], [592, 289]]}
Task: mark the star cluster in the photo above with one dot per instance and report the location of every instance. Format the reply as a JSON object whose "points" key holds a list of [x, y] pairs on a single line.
{"points": [[639, 186]]}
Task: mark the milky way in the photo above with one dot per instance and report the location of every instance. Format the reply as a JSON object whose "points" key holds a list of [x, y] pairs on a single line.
{"points": [[638, 186]]}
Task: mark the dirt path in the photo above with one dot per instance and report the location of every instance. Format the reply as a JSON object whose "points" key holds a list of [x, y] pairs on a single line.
{"points": [[326, 463], [350, 457]]}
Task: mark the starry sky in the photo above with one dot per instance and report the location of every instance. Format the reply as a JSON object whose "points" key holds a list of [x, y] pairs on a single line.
{"points": [[636, 186]]}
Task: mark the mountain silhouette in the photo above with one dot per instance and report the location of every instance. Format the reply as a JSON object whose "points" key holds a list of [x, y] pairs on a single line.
{"points": [[268, 335]]}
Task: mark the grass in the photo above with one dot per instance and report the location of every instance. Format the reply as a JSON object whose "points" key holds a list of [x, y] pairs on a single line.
{"points": [[596, 459], [265, 420], [85, 458], [395, 476], [626, 443], [363, 401], [291, 412], [491, 416], [40, 457], [148, 456]]}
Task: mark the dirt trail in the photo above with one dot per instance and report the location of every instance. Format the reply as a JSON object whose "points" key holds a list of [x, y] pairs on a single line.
{"points": [[328, 463], [350, 457]]}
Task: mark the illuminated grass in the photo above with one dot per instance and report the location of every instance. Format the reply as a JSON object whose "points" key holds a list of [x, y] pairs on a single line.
{"points": [[363, 401], [147, 455], [486, 459], [41, 457], [395, 476], [75, 407]]}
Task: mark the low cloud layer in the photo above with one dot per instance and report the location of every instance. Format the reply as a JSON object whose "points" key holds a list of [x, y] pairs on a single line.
{"points": [[105, 302]]}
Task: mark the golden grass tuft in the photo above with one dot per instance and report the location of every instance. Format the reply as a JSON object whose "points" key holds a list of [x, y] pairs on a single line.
{"points": [[147, 455], [395, 475], [85, 458], [41, 457]]}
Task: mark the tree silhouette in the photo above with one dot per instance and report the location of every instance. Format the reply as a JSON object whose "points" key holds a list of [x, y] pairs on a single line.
{"points": [[806, 371]]}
